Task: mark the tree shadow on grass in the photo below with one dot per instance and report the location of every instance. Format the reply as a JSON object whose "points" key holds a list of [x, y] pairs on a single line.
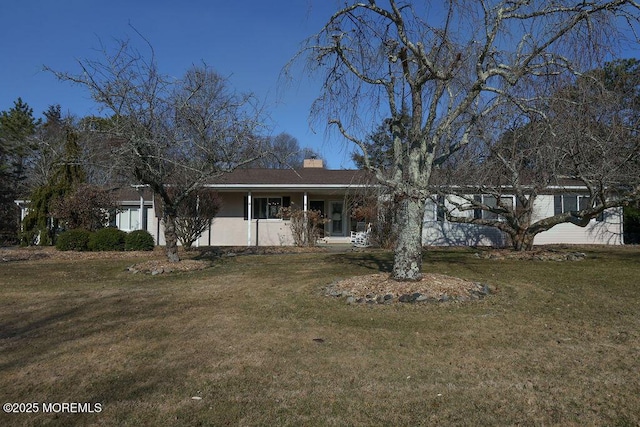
{"points": [[67, 320], [453, 255], [382, 261], [130, 329], [377, 261], [27, 325]]}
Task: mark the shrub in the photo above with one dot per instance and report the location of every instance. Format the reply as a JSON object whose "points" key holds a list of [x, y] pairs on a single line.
{"points": [[84, 207], [73, 240], [139, 240], [306, 227], [194, 215], [107, 239], [632, 224], [380, 214]]}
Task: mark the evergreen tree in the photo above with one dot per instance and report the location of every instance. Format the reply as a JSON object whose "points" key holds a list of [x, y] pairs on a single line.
{"points": [[378, 146], [39, 225], [17, 127]]}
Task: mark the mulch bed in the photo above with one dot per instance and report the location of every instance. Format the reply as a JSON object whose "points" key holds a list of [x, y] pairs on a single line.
{"points": [[432, 286]]}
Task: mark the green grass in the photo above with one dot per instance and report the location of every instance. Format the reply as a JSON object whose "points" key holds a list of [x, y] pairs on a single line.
{"points": [[559, 344]]}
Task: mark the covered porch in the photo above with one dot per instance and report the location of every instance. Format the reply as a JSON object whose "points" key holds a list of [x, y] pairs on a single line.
{"points": [[263, 215]]}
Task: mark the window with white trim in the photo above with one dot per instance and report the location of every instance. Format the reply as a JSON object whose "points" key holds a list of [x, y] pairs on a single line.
{"points": [[266, 207], [129, 218], [435, 208], [563, 203], [507, 201], [570, 202]]}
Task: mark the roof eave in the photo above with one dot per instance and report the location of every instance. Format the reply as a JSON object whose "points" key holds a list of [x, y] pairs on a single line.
{"points": [[285, 186]]}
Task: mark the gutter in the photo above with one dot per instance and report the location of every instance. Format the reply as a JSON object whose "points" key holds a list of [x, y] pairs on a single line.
{"points": [[285, 186]]}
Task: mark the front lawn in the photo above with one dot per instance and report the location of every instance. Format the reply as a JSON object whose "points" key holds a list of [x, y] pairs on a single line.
{"points": [[254, 341]]}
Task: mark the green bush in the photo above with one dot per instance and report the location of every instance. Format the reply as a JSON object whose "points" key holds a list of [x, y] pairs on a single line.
{"points": [[73, 240], [139, 240], [107, 239]]}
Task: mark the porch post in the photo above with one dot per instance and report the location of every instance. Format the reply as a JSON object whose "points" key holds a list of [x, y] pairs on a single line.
{"points": [[249, 211], [23, 212], [304, 210], [198, 213], [140, 213]]}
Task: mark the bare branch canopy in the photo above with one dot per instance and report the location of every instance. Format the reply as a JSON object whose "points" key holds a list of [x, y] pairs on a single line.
{"points": [[441, 72]]}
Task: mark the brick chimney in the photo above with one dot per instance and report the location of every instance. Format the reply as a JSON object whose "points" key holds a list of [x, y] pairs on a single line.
{"points": [[312, 163]]}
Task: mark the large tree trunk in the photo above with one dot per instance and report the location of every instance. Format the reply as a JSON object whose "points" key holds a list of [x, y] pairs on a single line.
{"points": [[170, 236], [522, 241], [407, 263]]}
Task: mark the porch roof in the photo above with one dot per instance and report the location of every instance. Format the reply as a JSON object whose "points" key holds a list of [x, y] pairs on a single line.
{"points": [[130, 194], [295, 179]]}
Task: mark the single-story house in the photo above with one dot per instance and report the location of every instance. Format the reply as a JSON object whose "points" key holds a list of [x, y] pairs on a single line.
{"points": [[252, 198], [251, 202]]}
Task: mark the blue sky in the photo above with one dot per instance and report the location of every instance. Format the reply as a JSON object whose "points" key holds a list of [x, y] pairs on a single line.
{"points": [[249, 41]]}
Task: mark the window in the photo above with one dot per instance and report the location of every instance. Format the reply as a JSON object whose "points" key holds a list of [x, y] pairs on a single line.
{"points": [[129, 219], [506, 201], [563, 203], [440, 209], [477, 213], [435, 208], [266, 207], [570, 202]]}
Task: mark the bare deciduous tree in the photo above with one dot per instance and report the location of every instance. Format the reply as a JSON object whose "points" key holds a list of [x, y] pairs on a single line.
{"points": [[170, 133], [439, 71], [282, 152], [86, 206], [588, 136], [195, 214], [48, 150]]}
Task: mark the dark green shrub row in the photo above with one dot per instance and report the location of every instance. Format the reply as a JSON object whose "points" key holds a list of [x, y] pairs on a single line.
{"points": [[106, 239], [73, 240], [139, 240]]}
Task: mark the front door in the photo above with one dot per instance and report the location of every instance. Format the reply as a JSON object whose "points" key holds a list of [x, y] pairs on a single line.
{"points": [[336, 215]]}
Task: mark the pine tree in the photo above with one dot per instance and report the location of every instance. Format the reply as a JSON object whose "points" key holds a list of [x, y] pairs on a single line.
{"points": [[17, 127]]}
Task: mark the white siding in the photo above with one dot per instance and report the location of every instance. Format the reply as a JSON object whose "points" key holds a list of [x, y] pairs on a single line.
{"points": [[444, 233], [607, 232], [229, 228]]}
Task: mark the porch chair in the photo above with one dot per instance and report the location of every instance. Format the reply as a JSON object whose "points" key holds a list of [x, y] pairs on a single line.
{"points": [[360, 237]]}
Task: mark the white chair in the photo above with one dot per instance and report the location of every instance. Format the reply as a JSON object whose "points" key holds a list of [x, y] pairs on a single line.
{"points": [[360, 237]]}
